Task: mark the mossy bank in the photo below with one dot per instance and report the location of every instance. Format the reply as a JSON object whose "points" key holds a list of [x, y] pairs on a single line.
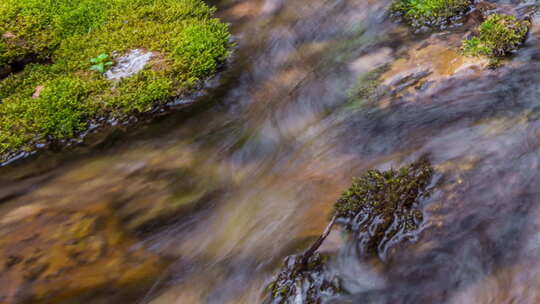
{"points": [[53, 53]]}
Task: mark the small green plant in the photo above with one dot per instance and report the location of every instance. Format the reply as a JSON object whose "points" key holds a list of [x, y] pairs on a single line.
{"points": [[498, 36], [100, 63], [431, 13]]}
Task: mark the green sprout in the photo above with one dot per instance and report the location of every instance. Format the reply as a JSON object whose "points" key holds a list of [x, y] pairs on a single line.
{"points": [[100, 63]]}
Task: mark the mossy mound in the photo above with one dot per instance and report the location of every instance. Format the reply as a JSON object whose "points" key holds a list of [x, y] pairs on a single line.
{"points": [[430, 13], [380, 205], [52, 92], [499, 35]]}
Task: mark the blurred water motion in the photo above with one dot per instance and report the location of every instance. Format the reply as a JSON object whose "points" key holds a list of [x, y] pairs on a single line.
{"points": [[223, 193]]}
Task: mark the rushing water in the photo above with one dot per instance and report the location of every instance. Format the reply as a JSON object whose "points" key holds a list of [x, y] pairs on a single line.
{"points": [[272, 146]]}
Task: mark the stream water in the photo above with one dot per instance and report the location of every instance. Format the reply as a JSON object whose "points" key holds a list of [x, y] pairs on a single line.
{"points": [[274, 143]]}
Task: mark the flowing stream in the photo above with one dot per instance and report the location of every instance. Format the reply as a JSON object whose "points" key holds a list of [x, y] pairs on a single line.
{"points": [[276, 140]]}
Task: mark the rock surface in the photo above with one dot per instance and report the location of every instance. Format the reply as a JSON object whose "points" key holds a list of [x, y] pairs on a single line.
{"points": [[129, 64], [64, 256]]}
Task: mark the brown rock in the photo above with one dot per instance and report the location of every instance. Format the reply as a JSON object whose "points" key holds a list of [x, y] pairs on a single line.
{"points": [[59, 256]]}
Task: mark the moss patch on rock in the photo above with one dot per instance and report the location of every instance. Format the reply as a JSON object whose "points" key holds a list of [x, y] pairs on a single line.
{"points": [[308, 281], [499, 35], [430, 13], [54, 93], [380, 205], [380, 208]]}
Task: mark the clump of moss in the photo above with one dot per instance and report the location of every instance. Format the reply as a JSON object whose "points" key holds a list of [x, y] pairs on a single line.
{"points": [[380, 205], [431, 13], [56, 94], [498, 36]]}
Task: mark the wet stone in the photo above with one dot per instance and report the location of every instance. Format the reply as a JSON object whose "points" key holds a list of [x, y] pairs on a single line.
{"points": [[301, 283], [75, 257], [129, 64]]}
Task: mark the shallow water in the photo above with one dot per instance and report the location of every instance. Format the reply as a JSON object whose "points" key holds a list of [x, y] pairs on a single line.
{"points": [[272, 146]]}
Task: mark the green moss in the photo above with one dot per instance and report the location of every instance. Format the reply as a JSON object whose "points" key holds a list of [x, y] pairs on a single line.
{"points": [[497, 36], [380, 205], [187, 42], [431, 13], [384, 190]]}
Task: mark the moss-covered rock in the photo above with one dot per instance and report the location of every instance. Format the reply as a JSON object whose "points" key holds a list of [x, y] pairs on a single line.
{"points": [[430, 13], [379, 208], [499, 35], [381, 204], [57, 93], [61, 256]]}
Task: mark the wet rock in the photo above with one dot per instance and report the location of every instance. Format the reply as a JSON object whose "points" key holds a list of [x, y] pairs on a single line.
{"points": [[301, 283], [438, 57], [129, 64], [61, 256], [381, 205], [419, 71]]}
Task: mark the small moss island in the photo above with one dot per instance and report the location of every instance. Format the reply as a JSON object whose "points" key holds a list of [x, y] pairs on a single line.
{"points": [[498, 36], [53, 55], [429, 13]]}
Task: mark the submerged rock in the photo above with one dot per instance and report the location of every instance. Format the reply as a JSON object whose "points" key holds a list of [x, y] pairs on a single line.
{"points": [[62, 256]]}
